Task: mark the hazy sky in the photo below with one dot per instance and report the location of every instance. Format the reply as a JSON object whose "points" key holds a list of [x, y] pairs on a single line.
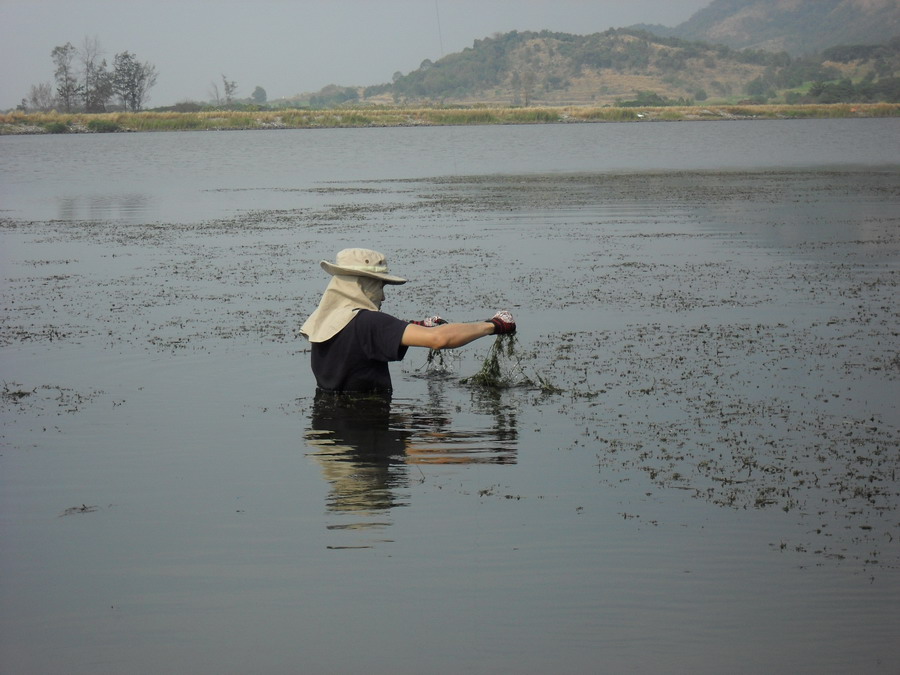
{"points": [[286, 46]]}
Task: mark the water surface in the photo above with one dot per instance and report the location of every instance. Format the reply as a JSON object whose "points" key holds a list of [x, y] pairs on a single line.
{"points": [[700, 477]]}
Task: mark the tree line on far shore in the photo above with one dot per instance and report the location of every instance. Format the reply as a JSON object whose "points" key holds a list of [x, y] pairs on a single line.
{"points": [[83, 81]]}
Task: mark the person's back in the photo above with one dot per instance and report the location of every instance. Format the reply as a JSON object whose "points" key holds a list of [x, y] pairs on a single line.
{"points": [[356, 359]]}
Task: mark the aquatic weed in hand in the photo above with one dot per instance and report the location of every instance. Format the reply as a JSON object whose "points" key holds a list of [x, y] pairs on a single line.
{"points": [[501, 367]]}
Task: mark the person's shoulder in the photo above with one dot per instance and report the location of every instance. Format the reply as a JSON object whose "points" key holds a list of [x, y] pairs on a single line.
{"points": [[370, 317]]}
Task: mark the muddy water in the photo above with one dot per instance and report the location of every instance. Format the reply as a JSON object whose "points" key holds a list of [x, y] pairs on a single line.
{"points": [[701, 475]]}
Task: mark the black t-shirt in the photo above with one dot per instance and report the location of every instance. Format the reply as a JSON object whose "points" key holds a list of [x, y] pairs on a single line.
{"points": [[356, 359]]}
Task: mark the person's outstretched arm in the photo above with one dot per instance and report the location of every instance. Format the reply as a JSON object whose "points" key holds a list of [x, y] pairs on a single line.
{"points": [[445, 336], [450, 335]]}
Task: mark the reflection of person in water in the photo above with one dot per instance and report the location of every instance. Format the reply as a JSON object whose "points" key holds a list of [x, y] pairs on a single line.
{"points": [[352, 340], [360, 452], [364, 445]]}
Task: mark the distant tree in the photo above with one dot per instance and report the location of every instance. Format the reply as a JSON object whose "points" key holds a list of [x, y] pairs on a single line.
{"points": [[515, 82], [67, 87], [376, 90], [132, 80], [758, 88], [526, 80], [723, 89], [40, 97], [332, 95], [230, 87], [887, 89], [259, 95], [835, 92], [101, 90], [883, 67], [89, 54], [97, 87]]}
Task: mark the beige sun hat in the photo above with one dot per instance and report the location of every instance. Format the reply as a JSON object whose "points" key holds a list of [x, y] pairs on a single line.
{"points": [[361, 262], [348, 291]]}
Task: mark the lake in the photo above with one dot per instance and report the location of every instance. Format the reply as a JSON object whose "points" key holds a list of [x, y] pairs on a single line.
{"points": [[693, 470]]}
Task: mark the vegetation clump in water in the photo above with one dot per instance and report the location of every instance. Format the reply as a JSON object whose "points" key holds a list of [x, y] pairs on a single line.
{"points": [[502, 367]]}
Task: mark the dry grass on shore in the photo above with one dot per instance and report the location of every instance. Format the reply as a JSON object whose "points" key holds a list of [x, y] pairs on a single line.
{"points": [[55, 122]]}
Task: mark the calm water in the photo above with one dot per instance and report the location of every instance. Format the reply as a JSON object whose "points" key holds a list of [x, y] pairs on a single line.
{"points": [[712, 488], [191, 176]]}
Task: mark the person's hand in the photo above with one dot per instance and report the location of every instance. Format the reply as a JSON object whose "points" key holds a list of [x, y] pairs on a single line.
{"points": [[504, 323], [430, 322]]}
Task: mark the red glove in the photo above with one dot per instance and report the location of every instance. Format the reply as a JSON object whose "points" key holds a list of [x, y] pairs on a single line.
{"points": [[430, 322], [504, 323]]}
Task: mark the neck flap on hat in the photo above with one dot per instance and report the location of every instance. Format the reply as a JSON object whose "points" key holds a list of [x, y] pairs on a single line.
{"points": [[343, 297]]}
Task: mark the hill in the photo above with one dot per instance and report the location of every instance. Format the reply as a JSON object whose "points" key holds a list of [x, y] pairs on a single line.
{"points": [[798, 27], [731, 51], [626, 66]]}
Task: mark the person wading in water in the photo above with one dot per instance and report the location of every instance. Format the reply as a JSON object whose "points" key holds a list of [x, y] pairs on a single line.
{"points": [[352, 340]]}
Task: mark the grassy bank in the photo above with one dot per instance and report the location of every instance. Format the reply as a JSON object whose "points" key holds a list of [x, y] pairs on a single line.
{"points": [[54, 122]]}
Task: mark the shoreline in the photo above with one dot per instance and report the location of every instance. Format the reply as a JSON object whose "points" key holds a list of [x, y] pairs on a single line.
{"points": [[19, 123]]}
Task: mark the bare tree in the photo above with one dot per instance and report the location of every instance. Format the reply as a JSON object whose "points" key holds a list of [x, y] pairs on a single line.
{"points": [[230, 89], [528, 80], [97, 82], [67, 87], [40, 97]]}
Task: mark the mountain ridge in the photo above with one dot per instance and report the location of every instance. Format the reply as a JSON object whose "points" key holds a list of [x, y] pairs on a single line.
{"points": [[731, 50], [621, 66]]}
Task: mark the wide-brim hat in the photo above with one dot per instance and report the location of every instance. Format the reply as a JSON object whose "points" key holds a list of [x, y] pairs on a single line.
{"points": [[361, 262]]}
